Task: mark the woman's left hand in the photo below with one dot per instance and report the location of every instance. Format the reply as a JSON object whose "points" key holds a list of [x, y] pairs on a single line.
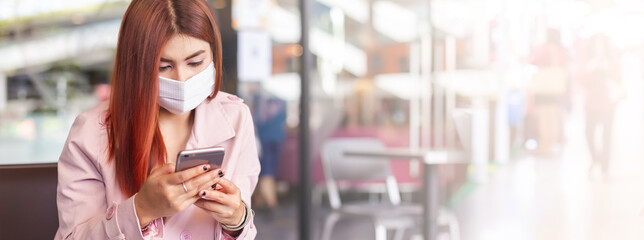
{"points": [[223, 203]]}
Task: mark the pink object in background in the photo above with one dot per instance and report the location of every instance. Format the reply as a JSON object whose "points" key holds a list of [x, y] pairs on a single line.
{"points": [[102, 92]]}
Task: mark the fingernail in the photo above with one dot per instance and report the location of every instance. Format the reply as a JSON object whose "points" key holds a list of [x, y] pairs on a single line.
{"points": [[205, 167], [221, 173], [203, 193], [214, 186]]}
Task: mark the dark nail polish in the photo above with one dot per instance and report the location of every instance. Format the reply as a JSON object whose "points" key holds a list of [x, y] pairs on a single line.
{"points": [[214, 186], [221, 173], [205, 168], [203, 193]]}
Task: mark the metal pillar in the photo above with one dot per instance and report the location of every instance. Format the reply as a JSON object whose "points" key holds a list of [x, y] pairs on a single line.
{"points": [[3, 92], [304, 200], [430, 202]]}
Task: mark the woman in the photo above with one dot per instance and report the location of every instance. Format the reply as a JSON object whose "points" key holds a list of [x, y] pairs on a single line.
{"points": [[550, 88], [603, 89], [116, 174]]}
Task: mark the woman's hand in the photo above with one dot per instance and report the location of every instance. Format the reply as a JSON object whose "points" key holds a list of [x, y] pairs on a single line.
{"points": [[163, 192], [223, 203]]}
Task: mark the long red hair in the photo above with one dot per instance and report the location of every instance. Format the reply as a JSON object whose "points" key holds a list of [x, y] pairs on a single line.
{"points": [[134, 138]]}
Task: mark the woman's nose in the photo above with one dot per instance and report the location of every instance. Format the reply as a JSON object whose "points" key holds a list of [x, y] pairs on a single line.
{"points": [[182, 75]]}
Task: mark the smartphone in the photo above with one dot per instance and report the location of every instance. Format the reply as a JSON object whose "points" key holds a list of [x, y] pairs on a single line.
{"points": [[195, 157]]}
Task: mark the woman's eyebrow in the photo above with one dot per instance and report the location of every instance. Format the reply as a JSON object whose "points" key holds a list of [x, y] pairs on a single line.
{"points": [[189, 57], [195, 54]]}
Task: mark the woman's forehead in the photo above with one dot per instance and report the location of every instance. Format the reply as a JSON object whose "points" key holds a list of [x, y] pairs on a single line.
{"points": [[181, 46]]}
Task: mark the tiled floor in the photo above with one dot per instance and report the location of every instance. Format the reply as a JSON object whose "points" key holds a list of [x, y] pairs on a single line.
{"points": [[535, 198]]}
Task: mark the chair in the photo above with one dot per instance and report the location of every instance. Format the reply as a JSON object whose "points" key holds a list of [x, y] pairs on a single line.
{"points": [[341, 168], [28, 201], [385, 216]]}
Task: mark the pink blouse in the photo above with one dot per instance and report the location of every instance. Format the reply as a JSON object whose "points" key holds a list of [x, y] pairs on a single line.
{"points": [[91, 204]]}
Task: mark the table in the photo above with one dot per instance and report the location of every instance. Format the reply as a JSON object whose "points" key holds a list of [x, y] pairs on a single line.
{"points": [[431, 160]]}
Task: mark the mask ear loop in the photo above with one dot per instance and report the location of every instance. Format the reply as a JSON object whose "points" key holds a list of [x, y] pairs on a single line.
{"points": [[214, 85]]}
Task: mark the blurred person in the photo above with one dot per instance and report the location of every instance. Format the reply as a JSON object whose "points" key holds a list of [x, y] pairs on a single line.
{"points": [[603, 89], [549, 89], [102, 92], [270, 120], [516, 116], [116, 175]]}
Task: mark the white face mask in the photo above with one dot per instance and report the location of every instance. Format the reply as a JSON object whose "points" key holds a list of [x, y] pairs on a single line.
{"points": [[180, 97]]}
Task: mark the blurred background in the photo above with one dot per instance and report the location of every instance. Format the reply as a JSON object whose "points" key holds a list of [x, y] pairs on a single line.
{"points": [[545, 95]]}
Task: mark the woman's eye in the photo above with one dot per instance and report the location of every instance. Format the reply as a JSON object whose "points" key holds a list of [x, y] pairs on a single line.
{"points": [[164, 68], [194, 64]]}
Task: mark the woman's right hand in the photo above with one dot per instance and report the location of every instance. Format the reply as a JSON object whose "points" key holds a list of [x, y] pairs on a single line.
{"points": [[163, 193]]}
